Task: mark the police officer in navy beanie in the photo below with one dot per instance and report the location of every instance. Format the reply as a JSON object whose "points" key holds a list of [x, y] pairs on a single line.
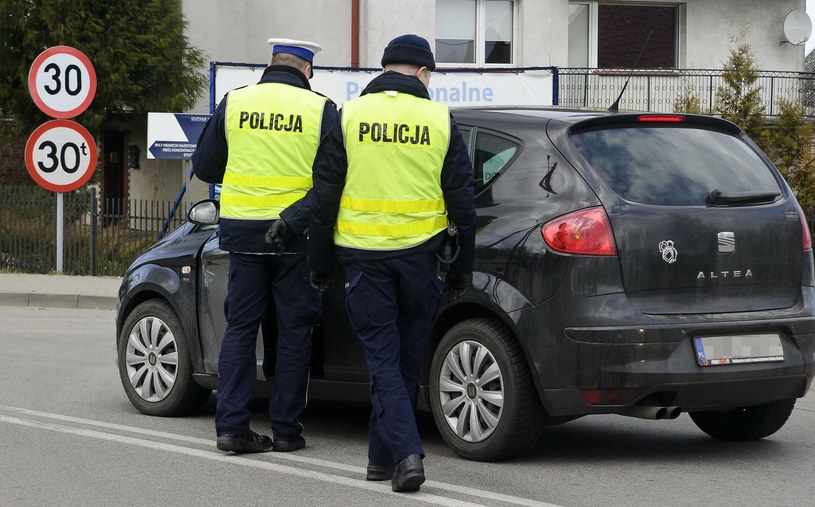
{"points": [[403, 177]]}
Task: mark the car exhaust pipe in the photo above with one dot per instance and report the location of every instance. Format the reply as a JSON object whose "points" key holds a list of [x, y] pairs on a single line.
{"points": [[645, 412], [652, 412]]}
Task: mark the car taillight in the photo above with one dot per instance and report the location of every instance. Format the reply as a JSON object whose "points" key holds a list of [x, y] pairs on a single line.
{"points": [[661, 118], [805, 230], [584, 232]]}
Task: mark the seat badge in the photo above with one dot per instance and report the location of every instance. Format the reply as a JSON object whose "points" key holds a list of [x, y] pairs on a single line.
{"points": [[668, 251], [727, 242]]}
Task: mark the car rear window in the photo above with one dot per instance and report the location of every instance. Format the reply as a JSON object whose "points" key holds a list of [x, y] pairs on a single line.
{"points": [[673, 165]]}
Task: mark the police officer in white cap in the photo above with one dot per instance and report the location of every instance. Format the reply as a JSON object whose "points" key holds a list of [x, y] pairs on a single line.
{"points": [[275, 131]]}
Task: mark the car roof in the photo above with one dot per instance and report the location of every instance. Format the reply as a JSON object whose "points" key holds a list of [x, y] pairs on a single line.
{"points": [[541, 112], [540, 115]]}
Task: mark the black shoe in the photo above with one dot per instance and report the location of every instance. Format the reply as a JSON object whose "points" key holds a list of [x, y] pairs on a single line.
{"points": [[409, 474], [243, 442], [288, 444], [379, 472]]}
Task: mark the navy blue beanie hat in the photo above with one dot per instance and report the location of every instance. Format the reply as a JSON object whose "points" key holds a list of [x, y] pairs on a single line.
{"points": [[409, 49]]}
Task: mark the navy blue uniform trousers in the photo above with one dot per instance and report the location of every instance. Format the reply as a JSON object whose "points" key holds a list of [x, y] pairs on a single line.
{"points": [[391, 303], [253, 279]]}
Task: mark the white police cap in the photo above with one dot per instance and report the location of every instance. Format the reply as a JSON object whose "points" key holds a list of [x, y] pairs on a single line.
{"points": [[301, 48]]}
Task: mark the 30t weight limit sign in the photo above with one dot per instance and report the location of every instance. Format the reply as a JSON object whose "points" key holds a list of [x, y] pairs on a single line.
{"points": [[62, 82], [60, 155]]}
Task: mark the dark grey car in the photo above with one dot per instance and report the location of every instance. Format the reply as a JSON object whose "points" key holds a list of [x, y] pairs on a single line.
{"points": [[636, 264]]}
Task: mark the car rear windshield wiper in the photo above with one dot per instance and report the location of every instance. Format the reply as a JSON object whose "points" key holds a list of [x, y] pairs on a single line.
{"points": [[717, 197]]}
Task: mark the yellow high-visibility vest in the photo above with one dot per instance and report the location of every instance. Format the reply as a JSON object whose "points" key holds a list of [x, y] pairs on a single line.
{"points": [[273, 131], [396, 144]]}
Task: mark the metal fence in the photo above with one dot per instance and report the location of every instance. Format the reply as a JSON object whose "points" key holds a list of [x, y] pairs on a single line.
{"points": [[100, 237], [658, 90]]}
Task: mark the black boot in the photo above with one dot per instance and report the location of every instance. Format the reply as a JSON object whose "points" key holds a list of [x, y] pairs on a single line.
{"points": [[289, 444], [409, 474], [243, 442], [378, 472]]}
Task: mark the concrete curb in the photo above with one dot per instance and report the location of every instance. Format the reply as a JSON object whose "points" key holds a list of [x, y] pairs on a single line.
{"points": [[57, 300], [59, 291]]}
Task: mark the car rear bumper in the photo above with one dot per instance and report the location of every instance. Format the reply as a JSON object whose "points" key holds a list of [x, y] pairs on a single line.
{"points": [[684, 396], [610, 368]]}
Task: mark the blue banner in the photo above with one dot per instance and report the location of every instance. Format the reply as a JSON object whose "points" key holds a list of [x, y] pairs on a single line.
{"points": [[173, 135]]}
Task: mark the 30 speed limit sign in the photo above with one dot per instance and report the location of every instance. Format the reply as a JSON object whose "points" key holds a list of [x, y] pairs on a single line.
{"points": [[62, 82], [60, 155]]}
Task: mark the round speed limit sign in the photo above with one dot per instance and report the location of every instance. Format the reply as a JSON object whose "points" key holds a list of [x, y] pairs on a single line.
{"points": [[62, 82], [60, 155]]}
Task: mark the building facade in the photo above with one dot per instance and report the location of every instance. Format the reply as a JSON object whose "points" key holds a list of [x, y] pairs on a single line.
{"points": [[654, 35]]}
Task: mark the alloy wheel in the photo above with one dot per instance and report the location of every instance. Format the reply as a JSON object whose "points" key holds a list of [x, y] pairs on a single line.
{"points": [[471, 391], [151, 359]]}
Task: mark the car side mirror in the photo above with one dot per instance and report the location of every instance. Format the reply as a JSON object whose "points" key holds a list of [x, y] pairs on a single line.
{"points": [[204, 212]]}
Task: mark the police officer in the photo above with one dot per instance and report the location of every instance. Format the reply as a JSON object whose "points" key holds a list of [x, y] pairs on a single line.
{"points": [[262, 143], [404, 175]]}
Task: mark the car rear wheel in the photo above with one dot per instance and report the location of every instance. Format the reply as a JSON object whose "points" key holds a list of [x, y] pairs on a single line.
{"points": [[482, 396], [747, 423], [154, 363]]}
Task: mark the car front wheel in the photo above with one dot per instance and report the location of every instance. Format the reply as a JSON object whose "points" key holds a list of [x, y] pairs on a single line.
{"points": [[747, 423], [482, 396], [154, 363]]}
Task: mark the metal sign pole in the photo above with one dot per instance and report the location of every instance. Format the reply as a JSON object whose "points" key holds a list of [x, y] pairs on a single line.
{"points": [[60, 224]]}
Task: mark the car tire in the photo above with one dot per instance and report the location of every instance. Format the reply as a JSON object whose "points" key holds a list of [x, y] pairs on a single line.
{"points": [[746, 423], [154, 363], [491, 412]]}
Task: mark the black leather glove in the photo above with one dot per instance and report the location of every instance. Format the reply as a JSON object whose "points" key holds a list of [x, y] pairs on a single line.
{"points": [[320, 281], [278, 234], [457, 284]]}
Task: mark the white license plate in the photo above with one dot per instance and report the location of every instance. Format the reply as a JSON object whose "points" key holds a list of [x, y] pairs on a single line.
{"points": [[738, 349]]}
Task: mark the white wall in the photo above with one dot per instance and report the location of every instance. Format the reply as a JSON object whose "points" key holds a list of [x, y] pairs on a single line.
{"points": [[543, 33], [382, 20], [238, 31], [711, 24]]}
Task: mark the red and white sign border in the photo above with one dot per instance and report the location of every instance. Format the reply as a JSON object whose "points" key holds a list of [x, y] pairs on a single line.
{"points": [[35, 69], [29, 155]]}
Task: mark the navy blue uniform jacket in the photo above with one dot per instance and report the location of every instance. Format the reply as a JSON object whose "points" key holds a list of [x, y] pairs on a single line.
{"points": [[209, 165], [456, 183]]}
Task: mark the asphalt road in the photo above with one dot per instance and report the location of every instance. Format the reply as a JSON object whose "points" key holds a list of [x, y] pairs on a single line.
{"points": [[68, 436]]}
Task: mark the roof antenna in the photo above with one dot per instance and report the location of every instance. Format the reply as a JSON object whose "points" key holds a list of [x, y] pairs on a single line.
{"points": [[615, 107]]}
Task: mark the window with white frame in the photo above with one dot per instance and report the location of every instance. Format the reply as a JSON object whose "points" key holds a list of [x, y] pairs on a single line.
{"points": [[474, 31], [617, 35]]}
